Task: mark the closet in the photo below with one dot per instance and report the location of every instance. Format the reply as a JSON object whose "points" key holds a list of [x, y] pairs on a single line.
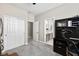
{"points": [[13, 32]]}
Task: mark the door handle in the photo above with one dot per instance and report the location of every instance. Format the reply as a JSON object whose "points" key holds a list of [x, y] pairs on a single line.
{"points": [[5, 34]]}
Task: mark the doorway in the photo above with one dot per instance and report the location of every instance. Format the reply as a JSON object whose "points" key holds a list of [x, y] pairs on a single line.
{"points": [[30, 31]]}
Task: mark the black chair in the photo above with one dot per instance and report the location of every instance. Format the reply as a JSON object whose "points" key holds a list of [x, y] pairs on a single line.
{"points": [[72, 45]]}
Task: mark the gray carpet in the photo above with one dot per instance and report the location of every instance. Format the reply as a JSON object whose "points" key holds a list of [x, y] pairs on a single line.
{"points": [[35, 49]]}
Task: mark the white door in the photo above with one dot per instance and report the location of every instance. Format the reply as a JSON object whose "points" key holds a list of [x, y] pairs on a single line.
{"points": [[36, 31], [13, 32]]}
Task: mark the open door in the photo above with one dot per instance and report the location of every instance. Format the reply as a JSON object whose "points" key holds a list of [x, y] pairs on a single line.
{"points": [[36, 31]]}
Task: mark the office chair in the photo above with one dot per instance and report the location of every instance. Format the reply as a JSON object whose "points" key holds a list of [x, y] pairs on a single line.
{"points": [[72, 48], [72, 45]]}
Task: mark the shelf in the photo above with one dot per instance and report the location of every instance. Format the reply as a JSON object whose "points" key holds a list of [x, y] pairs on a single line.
{"points": [[69, 26], [74, 38]]}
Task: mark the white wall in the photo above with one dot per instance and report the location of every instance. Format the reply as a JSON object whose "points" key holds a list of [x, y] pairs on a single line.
{"points": [[63, 11]]}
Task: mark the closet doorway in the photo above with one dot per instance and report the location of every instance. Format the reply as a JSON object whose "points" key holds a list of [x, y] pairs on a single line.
{"points": [[30, 31]]}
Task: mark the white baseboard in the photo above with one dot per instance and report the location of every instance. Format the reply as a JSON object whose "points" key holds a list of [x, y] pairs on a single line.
{"points": [[25, 43]]}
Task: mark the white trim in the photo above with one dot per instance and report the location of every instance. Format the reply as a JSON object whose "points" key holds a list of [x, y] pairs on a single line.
{"points": [[26, 32], [30, 20]]}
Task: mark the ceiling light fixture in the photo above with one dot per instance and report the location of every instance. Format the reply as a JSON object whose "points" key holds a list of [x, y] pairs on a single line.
{"points": [[34, 3]]}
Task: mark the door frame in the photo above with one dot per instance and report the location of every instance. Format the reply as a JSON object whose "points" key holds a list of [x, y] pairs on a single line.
{"points": [[27, 29]]}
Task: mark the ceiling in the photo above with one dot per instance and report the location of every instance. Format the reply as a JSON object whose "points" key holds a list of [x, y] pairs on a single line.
{"points": [[38, 8]]}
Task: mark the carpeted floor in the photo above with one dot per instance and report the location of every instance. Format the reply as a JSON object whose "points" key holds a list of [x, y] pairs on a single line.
{"points": [[35, 49]]}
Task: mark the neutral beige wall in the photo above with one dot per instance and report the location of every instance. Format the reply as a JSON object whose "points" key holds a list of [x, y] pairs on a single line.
{"points": [[63, 11], [6, 9], [10, 10]]}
